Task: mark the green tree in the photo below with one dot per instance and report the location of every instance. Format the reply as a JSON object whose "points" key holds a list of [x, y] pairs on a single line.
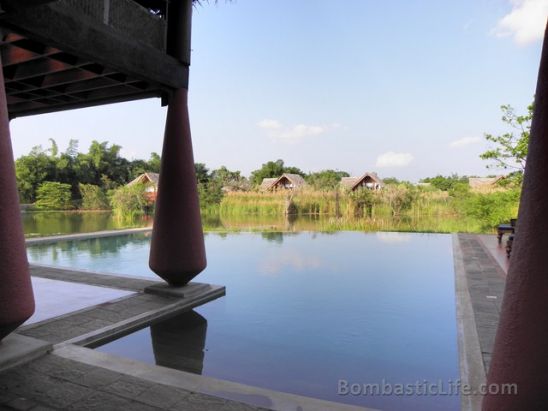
{"points": [[491, 209], [102, 160], [154, 163], [326, 179], [202, 173], [129, 201], [93, 197], [210, 194], [232, 180], [273, 169], [364, 200], [450, 183], [52, 195], [510, 149], [31, 171], [400, 198], [391, 181]]}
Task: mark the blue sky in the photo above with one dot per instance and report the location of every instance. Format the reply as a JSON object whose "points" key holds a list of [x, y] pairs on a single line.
{"points": [[405, 88]]}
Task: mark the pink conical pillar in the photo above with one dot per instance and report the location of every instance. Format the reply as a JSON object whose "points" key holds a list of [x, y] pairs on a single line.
{"points": [[521, 347], [16, 297], [177, 252]]}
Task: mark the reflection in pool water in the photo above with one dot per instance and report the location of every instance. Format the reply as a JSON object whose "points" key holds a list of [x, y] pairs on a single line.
{"points": [[302, 311]]}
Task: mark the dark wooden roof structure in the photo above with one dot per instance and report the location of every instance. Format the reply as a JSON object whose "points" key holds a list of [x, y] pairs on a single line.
{"points": [[64, 54]]}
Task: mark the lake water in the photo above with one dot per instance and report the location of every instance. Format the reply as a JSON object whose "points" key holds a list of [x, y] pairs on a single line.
{"points": [[46, 223], [302, 311]]}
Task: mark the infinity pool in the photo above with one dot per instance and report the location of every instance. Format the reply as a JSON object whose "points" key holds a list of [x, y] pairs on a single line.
{"points": [[302, 312]]}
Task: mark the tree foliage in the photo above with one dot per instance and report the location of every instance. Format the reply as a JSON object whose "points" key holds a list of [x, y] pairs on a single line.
{"points": [[453, 182], [492, 209], [326, 179], [273, 169], [510, 149], [93, 197], [400, 198], [364, 200], [52, 195], [101, 166], [129, 201]]}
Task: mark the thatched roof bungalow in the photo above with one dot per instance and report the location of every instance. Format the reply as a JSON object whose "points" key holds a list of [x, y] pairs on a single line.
{"points": [[266, 184], [484, 183], [150, 181], [368, 180], [286, 181]]}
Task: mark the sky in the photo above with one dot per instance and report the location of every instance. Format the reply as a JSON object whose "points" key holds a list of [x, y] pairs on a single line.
{"points": [[406, 88]]}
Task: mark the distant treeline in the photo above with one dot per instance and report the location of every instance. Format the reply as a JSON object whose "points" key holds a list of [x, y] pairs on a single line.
{"points": [[97, 179]]}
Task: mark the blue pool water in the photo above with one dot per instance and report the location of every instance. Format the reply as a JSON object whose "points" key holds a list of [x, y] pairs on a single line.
{"points": [[302, 311]]}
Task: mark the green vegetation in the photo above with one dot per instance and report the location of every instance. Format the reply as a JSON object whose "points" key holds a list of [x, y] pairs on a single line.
{"points": [[326, 179], [93, 197], [52, 195], [273, 169], [101, 166], [129, 201], [509, 150], [491, 209], [452, 183], [98, 179]]}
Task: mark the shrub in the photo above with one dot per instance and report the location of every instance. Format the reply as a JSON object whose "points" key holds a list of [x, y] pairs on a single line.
{"points": [[491, 209], [129, 201], [93, 197], [53, 196], [399, 198]]}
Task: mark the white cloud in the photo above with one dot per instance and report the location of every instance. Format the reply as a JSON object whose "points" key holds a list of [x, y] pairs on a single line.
{"points": [[525, 23], [392, 159], [293, 134], [301, 131], [465, 141], [269, 124]]}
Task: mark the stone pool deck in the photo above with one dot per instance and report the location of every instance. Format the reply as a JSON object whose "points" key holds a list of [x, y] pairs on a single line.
{"points": [[46, 364], [480, 274]]}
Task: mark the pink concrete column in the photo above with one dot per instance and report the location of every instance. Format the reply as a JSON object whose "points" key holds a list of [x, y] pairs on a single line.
{"points": [[177, 252], [16, 297], [521, 347]]}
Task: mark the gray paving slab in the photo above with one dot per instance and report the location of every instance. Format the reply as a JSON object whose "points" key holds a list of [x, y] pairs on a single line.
{"points": [[198, 392], [91, 278], [54, 382], [480, 281], [15, 349]]}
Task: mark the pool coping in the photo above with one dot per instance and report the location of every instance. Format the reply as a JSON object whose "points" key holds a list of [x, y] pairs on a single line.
{"points": [[77, 348], [471, 365], [472, 371], [85, 236], [228, 390]]}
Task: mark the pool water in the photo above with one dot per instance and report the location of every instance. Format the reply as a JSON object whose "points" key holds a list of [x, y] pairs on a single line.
{"points": [[302, 312]]}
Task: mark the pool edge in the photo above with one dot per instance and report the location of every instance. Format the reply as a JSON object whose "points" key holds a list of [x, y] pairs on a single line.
{"points": [[472, 371]]}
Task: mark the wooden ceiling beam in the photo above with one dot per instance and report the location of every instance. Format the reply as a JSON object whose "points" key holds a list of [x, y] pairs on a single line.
{"points": [[32, 108], [64, 28], [32, 69]]}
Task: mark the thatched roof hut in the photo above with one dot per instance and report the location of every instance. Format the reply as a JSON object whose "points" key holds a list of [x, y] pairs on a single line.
{"points": [[267, 183], [286, 181], [368, 180], [483, 183], [150, 179]]}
